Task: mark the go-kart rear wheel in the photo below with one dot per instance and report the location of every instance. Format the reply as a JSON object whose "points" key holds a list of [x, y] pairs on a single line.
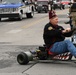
{"points": [[22, 59]]}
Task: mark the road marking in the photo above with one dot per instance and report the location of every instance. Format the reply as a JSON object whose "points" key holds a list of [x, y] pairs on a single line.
{"points": [[15, 31], [27, 26]]}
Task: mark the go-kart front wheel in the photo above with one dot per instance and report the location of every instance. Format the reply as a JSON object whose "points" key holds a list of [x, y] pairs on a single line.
{"points": [[22, 59]]}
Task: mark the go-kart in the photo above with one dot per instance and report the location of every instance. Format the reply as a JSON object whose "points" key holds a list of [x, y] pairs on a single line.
{"points": [[42, 53]]}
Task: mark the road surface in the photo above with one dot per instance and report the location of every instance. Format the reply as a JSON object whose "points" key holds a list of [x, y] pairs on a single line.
{"points": [[18, 36]]}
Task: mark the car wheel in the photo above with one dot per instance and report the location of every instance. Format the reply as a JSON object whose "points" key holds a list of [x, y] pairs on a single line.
{"points": [[20, 16], [30, 15]]}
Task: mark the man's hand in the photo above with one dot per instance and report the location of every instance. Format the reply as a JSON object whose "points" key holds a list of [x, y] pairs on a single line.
{"points": [[66, 30]]}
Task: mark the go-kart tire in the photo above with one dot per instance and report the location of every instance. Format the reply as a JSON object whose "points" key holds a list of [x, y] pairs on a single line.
{"points": [[22, 59]]}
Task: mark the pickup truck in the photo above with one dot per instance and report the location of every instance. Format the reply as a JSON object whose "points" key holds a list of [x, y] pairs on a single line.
{"points": [[16, 9]]}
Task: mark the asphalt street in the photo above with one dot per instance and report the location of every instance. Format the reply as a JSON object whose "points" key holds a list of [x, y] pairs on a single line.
{"points": [[20, 36]]}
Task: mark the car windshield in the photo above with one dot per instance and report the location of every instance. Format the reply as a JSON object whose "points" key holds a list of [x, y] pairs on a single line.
{"points": [[42, 2], [11, 1]]}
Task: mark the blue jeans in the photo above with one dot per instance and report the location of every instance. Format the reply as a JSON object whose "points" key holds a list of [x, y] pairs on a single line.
{"points": [[64, 46]]}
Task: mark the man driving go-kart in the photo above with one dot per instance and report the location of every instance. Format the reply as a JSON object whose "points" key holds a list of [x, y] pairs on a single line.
{"points": [[54, 36], [56, 46]]}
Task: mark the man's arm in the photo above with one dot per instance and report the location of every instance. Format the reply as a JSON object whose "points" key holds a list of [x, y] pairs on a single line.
{"points": [[53, 33], [67, 32]]}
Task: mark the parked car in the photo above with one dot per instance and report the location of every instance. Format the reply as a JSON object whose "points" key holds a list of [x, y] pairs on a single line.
{"points": [[42, 6], [58, 5], [16, 9]]}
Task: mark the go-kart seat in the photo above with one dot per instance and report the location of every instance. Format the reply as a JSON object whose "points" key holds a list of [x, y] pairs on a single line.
{"points": [[48, 50]]}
